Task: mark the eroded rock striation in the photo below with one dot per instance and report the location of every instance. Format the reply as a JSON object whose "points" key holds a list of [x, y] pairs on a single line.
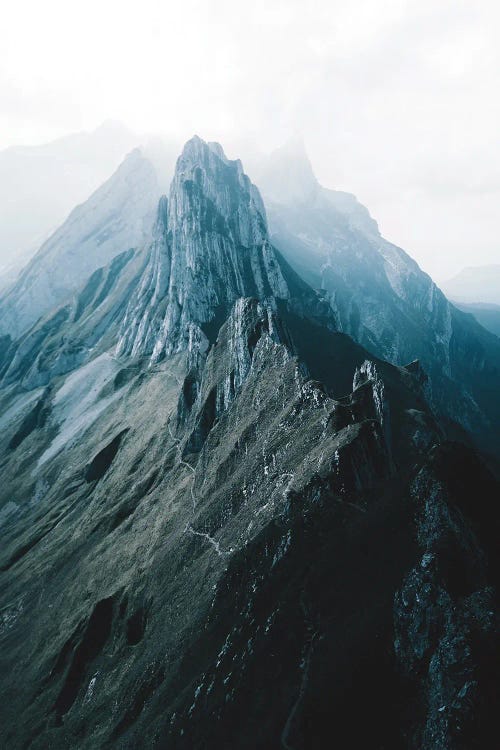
{"points": [[224, 522], [211, 248]]}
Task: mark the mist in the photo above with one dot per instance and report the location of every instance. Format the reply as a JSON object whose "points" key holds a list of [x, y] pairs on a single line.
{"points": [[396, 102], [249, 374]]}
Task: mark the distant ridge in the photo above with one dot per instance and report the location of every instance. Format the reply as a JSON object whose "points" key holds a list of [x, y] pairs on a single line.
{"points": [[475, 284]]}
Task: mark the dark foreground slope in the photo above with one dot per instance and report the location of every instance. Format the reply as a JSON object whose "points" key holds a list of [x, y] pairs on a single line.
{"points": [[243, 533]]}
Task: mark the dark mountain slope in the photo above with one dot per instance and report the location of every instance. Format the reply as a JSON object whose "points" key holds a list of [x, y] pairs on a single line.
{"points": [[243, 531], [487, 315], [195, 574]]}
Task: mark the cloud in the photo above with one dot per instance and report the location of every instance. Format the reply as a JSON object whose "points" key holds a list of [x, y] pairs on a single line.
{"points": [[396, 101]]}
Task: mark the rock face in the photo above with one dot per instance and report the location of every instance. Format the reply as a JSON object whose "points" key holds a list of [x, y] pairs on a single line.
{"points": [[70, 335], [379, 294], [211, 248], [117, 217], [224, 522]]}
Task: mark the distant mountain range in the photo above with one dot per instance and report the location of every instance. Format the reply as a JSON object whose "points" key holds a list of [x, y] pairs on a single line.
{"points": [[476, 290], [487, 315], [117, 216], [476, 284], [249, 496], [380, 296], [40, 185]]}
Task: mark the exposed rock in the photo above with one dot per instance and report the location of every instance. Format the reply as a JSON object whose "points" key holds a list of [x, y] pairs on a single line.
{"points": [[65, 339], [210, 248], [224, 522], [117, 217]]}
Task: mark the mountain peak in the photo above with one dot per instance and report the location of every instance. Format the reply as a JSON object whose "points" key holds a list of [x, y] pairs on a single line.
{"points": [[287, 175], [117, 216], [200, 151], [135, 164], [194, 147], [211, 249], [211, 190]]}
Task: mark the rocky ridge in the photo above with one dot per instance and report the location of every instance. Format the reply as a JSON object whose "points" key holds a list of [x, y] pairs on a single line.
{"points": [[227, 524], [117, 217], [211, 248]]}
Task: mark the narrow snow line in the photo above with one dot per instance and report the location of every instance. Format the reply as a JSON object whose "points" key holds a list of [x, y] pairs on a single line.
{"points": [[215, 544], [302, 689]]}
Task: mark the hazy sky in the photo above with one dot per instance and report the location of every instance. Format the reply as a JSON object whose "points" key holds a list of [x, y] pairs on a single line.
{"points": [[397, 102]]}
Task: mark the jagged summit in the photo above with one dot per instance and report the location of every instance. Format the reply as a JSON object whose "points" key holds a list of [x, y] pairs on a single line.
{"points": [[204, 179], [267, 505], [286, 178], [211, 249], [207, 247], [212, 245], [196, 148]]}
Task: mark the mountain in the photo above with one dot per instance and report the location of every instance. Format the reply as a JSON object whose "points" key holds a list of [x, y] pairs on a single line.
{"points": [[224, 522], [487, 315], [39, 185], [475, 284], [208, 247], [117, 217], [379, 294], [212, 250]]}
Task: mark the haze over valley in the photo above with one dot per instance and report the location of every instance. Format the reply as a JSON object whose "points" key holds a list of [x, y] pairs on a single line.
{"points": [[249, 447]]}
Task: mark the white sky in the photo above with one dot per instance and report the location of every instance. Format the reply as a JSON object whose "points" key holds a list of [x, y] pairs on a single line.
{"points": [[397, 102]]}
